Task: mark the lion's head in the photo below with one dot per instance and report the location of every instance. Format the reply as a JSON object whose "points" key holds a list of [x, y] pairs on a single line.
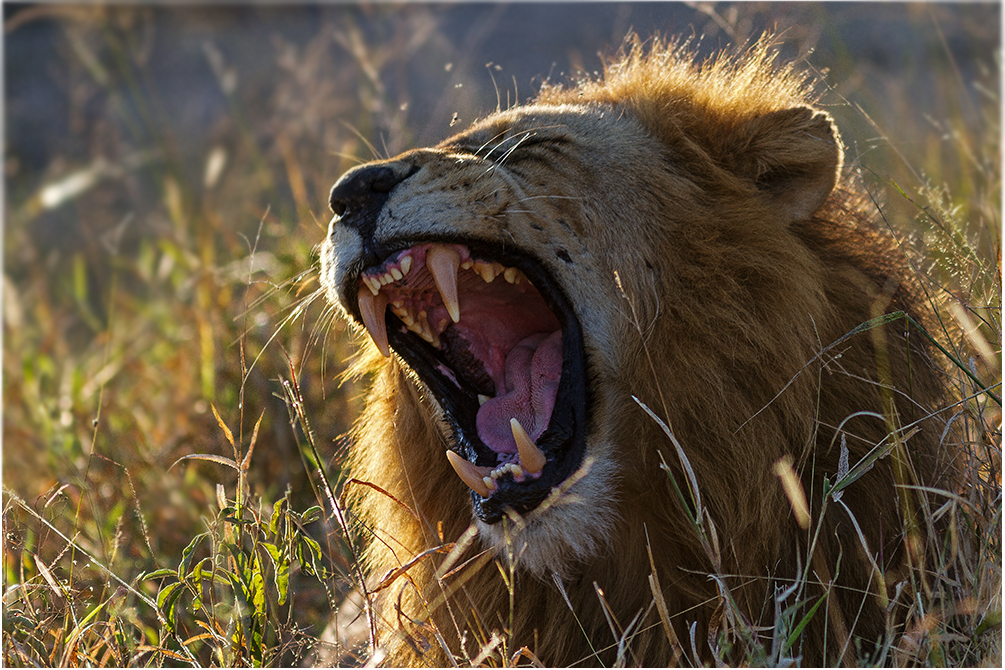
{"points": [[668, 238]]}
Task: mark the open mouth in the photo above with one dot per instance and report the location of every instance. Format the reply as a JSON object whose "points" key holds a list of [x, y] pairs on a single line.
{"points": [[498, 345]]}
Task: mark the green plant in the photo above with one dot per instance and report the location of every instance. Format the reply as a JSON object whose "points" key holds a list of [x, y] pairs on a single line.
{"points": [[158, 269]]}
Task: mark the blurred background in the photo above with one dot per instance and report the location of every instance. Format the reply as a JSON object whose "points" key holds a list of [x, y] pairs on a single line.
{"points": [[166, 172]]}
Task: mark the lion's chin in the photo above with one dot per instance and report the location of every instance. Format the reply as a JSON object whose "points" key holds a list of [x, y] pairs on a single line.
{"points": [[575, 524]]}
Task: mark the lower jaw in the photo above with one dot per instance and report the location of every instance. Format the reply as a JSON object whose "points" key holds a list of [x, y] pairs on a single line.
{"points": [[569, 528], [529, 496], [514, 489]]}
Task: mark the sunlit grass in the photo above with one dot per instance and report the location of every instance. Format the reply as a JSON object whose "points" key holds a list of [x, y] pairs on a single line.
{"points": [[154, 280]]}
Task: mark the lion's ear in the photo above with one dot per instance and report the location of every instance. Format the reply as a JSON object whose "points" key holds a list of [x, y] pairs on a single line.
{"points": [[793, 156]]}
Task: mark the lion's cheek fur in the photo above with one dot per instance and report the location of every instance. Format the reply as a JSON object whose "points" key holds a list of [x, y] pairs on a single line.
{"points": [[407, 462]]}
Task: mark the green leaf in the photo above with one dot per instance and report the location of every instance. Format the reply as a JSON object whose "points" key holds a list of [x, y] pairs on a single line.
{"points": [[309, 560], [797, 631], [274, 551], [281, 565], [312, 514], [13, 622], [277, 514], [991, 620], [230, 516], [199, 575], [257, 584], [241, 594], [197, 572], [159, 574], [187, 555], [166, 600]]}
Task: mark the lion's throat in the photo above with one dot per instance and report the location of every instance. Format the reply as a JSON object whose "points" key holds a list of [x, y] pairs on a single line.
{"points": [[527, 392]]}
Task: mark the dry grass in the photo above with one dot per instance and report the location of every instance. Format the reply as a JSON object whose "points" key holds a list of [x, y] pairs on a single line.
{"points": [[158, 298]]}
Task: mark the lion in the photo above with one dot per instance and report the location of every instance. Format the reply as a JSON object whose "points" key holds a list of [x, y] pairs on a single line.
{"points": [[628, 340]]}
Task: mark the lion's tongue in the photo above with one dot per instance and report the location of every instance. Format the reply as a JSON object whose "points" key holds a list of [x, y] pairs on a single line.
{"points": [[533, 370]]}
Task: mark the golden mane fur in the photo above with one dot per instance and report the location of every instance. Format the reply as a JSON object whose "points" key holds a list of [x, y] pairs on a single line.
{"points": [[720, 263]]}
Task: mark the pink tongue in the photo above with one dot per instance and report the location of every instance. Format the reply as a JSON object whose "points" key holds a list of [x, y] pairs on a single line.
{"points": [[533, 369]]}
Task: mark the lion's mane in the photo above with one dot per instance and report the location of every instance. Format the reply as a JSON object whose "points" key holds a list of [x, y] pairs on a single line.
{"points": [[727, 290]]}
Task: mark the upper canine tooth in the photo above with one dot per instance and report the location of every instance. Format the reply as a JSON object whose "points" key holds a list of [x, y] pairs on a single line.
{"points": [[371, 308], [531, 458], [443, 263], [470, 474]]}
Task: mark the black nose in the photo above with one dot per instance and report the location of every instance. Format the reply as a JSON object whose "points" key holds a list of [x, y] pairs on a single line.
{"points": [[364, 190]]}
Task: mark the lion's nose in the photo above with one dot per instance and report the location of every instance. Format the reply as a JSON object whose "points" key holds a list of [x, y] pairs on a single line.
{"points": [[363, 190]]}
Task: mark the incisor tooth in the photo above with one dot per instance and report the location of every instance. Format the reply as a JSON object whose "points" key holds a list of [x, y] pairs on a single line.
{"points": [[406, 317], [406, 264], [443, 263], [486, 271], [371, 308], [531, 458], [470, 474]]}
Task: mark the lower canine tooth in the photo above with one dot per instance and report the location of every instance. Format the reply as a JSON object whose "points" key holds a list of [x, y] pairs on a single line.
{"points": [[531, 458], [371, 308], [471, 474]]}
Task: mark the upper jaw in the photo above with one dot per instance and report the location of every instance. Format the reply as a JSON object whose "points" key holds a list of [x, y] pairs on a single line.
{"points": [[431, 303]]}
